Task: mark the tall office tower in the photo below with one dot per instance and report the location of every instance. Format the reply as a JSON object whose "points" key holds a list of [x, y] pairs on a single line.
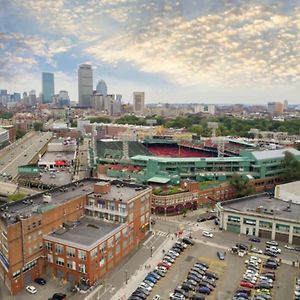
{"points": [[138, 102], [101, 88], [47, 87], [285, 105], [275, 108], [85, 85]]}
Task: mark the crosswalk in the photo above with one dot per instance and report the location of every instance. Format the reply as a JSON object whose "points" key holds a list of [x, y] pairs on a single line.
{"points": [[160, 233]]}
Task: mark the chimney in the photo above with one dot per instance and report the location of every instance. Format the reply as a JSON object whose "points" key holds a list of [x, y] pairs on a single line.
{"points": [[102, 187]]}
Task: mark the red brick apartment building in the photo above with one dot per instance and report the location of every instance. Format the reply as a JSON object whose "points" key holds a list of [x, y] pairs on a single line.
{"points": [[81, 230]]}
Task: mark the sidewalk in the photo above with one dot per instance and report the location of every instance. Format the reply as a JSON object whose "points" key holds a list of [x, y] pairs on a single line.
{"points": [[127, 289]]}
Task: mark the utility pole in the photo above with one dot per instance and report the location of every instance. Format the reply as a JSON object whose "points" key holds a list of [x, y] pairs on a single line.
{"points": [[126, 277]]}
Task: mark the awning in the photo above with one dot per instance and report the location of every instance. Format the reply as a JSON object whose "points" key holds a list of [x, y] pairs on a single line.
{"points": [[159, 179]]}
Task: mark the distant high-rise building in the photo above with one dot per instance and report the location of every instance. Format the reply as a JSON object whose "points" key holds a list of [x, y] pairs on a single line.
{"points": [[285, 105], [101, 88], [138, 102], [85, 85], [47, 87], [275, 108], [64, 99]]}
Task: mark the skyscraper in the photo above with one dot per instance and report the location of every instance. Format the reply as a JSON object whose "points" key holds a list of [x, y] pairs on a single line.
{"points": [[47, 87], [85, 85], [138, 102], [102, 88]]}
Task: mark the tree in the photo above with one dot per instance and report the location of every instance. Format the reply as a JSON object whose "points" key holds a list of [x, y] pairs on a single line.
{"points": [[241, 185], [37, 126], [100, 120], [19, 133], [291, 167], [184, 211]]}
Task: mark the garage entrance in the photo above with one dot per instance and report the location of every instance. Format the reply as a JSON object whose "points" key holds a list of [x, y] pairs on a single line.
{"points": [[265, 233], [296, 240], [282, 237], [27, 278]]}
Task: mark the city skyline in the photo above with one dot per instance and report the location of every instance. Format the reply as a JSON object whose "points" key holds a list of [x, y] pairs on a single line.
{"points": [[175, 51]]}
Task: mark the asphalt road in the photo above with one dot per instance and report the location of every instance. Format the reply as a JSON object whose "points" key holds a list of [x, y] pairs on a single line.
{"points": [[22, 152]]}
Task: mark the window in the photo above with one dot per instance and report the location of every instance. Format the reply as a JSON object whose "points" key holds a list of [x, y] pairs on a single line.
{"points": [[28, 227], [71, 264], [110, 242], [48, 246], [118, 237], [296, 230], [111, 205], [60, 261], [102, 261], [102, 248], [16, 274], [122, 208], [29, 266], [265, 224], [70, 252], [81, 268], [234, 219], [33, 224], [110, 254], [50, 258], [59, 249], [94, 253], [82, 254], [249, 221], [39, 222], [283, 227], [41, 245]]}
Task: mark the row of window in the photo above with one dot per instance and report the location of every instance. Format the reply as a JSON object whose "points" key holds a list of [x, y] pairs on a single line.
{"points": [[264, 224], [34, 225]]}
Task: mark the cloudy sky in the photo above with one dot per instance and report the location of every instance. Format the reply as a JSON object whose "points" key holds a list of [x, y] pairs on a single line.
{"points": [[214, 51]]}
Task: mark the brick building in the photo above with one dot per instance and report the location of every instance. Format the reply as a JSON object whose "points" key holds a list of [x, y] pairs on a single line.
{"points": [[81, 230]]}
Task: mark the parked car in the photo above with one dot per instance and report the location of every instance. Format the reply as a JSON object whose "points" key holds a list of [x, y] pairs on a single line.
{"points": [[221, 255], [188, 241], [157, 297], [256, 250], [59, 296], [201, 219], [207, 234], [40, 281], [254, 239], [204, 290], [31, 289], [241, 246], [176, 296], [247, 284], [272, 243]]}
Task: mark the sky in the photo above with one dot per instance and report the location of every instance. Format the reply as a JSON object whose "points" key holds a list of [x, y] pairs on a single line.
{"points": [[177, 51]]}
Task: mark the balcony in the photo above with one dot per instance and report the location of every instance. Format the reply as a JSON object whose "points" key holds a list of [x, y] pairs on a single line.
{"points": [[107, 211]]}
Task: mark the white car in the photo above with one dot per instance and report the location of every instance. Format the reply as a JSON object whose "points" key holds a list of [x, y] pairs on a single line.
{"points": [[146, 286], [176, 296], [173, 252], [274, 249], [31, 289], [254, 258], [255, 250], [207, 234]]}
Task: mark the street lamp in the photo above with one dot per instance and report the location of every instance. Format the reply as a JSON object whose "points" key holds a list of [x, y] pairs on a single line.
{"points": [[126, 277]]}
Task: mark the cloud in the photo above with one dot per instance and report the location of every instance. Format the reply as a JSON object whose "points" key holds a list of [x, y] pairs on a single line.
{"points": [[190, 43]]}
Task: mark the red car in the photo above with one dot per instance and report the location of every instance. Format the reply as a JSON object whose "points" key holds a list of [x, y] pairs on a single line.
{"points": [[164, 265], [247, 284]]}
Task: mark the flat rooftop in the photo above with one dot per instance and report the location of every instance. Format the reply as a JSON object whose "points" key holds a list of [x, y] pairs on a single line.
{"points": [[266, 206], [36, 204], [59, 155], [85, 232]]}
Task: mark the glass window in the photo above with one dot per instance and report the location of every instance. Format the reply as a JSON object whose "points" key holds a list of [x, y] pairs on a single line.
{"points": [[70, 252], [81, 268], [296, 229], [50, 258], [60, 261], [265, 224], [59, 249], [249, 221], [102, 247], [283, 227], [94, 253], [234, 219], [102, 261], [71, 264], [82, 254], [49, 246]]}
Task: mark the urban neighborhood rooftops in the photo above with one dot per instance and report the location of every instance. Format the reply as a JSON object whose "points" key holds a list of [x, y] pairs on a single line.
{"points": [[84, 233], [266, 205]]}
